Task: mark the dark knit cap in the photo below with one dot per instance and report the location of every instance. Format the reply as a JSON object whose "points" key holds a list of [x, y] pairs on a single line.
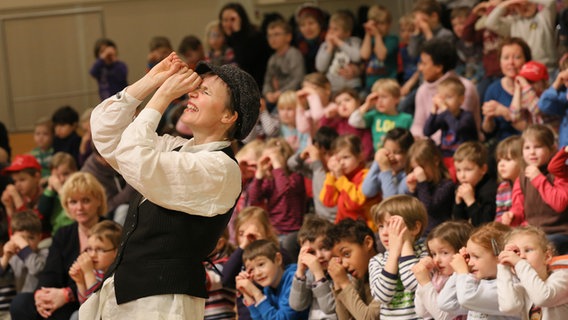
{"points": [[245, 95]]}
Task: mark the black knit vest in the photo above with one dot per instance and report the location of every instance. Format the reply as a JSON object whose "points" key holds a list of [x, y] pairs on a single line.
{"points": [[162, 250]]}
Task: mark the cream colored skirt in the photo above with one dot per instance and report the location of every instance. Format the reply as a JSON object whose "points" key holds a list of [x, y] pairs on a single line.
{"points": [[102, 305]]}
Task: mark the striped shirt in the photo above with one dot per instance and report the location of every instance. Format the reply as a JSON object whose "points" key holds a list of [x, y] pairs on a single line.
{"points": [[396, 292]]}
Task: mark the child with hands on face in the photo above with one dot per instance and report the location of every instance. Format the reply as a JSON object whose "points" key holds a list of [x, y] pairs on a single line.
{"points": [[282, 191], [379, 112], [312, 287], [264, 267], [427, 178], [433, 271], [475, 195], [386, 175], [401, 220], [525, 283], [539, 197], [509, 160], [554, 100], [314, 102], [22, 253], [353, 244], [473, 286], [342, 186]]}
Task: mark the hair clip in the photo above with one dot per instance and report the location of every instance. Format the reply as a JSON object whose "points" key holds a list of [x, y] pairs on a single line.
{"points": [[495, 247]]}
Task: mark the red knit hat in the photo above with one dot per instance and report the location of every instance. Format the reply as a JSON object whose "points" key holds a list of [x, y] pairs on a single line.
{"points": [[534, 71], [21, 162]]}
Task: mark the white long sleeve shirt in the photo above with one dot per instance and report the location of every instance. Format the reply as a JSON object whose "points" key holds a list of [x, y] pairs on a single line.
{"points": [[199, 179]]}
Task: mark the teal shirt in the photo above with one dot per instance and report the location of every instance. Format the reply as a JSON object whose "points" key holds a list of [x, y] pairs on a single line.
{"points": [[376, 69], [381, 123]]}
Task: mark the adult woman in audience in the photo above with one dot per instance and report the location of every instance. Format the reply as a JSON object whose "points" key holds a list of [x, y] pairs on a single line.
{"points": [[497, 123], [84, 200], [249, 44]]}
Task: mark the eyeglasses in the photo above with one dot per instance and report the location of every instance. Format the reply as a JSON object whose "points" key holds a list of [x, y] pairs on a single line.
{"points": [[97, 250]]}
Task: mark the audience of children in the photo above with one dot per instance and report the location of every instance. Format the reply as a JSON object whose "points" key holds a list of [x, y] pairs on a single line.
{"points": [[339, 268], [401, 221]]}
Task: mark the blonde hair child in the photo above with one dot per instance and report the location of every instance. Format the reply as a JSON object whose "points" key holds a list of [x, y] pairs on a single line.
{"points": [[433, 271], [509, 161], [401, 220], [538, 196], [314, 101], [218, 53], [379, 112], [473, 286], [287, 113], [525, 284], [428, 179]]}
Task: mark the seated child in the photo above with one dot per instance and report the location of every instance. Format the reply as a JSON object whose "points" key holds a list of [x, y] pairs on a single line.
{"points": [[433, 271], [24, 193], [89, 268], [312, 288], [111, 74], [22, 253], [43, 139], [427, 18], [340, 53], [509, 160], [539, 197], [537, 292], [65, 121], [160, 47], [311, 20], [222, 299], [470, 52], [448, 115], [287, 112], [379, 112], [312, 164], [554, 101], [191, 50], [347, 101], [285, 68], [379, 49], [314, 101], [7, 286], [473, 286], [475, 195], [530, 83], [401, 220], [342, 186], [54, 216], [264, 267], [386, 175], [353, 244], [219, 53]]}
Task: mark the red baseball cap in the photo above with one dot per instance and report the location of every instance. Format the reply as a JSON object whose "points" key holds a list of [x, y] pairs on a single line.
{"points": [[534, 71], [21, 162]]}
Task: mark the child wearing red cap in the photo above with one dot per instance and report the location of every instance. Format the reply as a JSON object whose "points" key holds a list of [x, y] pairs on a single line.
{"points": [[529, 85], [24, 193]]}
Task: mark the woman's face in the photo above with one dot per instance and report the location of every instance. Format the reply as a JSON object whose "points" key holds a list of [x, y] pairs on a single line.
{"points": [[83, 208], [310, 28], [230, 21], [511, 60]]}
